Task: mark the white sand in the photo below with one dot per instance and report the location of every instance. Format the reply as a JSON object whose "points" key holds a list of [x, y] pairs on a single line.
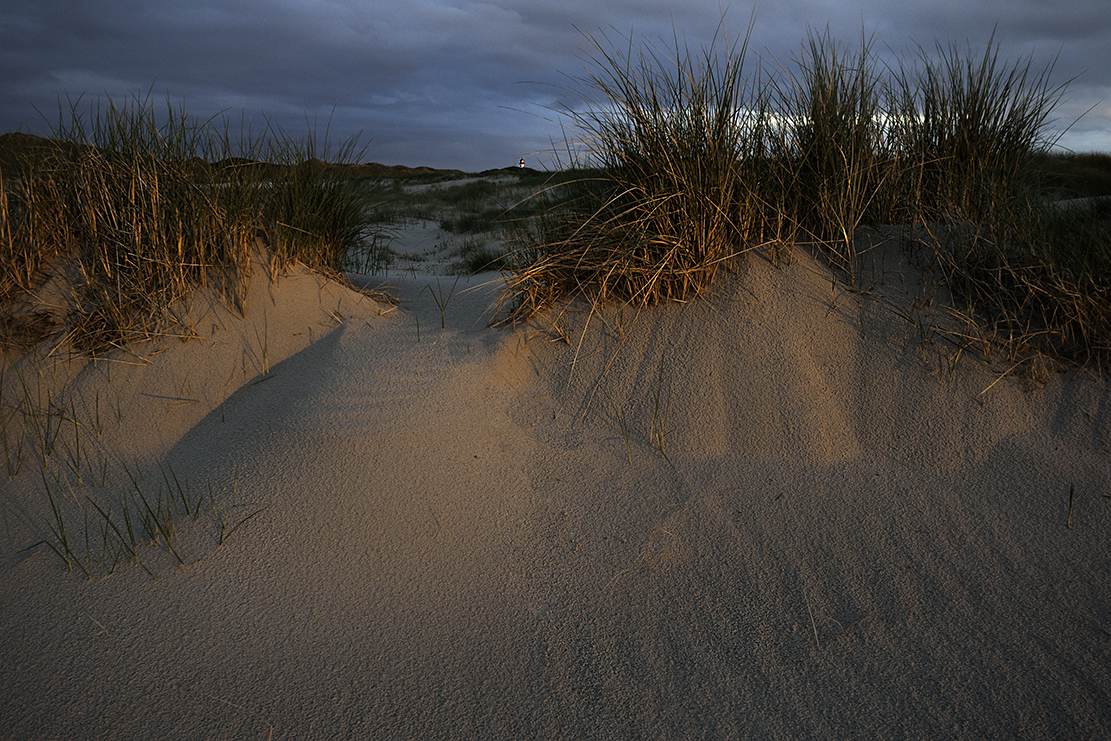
{"points": [[455, 544]]}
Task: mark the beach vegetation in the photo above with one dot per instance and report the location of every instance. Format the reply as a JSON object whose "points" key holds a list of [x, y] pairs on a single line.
{"points": [[104, 533], [101, 511], [442, 297], [1067, 175], [477, 255], [489, 203], [700, 156], [665, 207], [128, 207]]}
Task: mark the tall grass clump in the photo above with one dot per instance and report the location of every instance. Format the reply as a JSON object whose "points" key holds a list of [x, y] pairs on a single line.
{"points": [[957, 143], [132, 207], [833, 156], [975, 132], [668, 207], [696, 162], [970, 127], [135, 205], [313, 212]]}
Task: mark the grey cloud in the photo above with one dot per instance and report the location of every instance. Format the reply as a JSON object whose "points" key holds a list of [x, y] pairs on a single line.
{"points": [[437, 82]]}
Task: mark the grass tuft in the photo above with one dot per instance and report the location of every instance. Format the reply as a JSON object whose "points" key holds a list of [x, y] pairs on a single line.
{"points": [[130, 207], [694, 159], [665, 207]]}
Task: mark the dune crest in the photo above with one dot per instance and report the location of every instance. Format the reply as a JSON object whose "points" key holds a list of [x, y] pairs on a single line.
{"points": [[798, 524]]}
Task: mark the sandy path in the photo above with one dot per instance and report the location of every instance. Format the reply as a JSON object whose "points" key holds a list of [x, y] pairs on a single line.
{"points": [[456, 545]]}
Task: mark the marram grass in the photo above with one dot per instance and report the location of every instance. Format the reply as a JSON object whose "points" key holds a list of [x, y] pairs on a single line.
{"points": [[135, 207], [666, 207], [698, 157]]}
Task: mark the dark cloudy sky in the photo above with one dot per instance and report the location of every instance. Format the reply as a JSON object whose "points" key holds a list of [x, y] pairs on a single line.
{"points": [[462, 83]]}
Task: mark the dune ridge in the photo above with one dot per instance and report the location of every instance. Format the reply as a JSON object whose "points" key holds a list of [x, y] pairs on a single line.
{"points": [[476, 532]]}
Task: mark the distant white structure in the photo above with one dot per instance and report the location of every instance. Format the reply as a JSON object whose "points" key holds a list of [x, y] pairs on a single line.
{"points": [[521, 164]]}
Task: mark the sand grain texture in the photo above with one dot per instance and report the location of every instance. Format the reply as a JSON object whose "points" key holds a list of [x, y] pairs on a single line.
{"points": [[456, 545]]}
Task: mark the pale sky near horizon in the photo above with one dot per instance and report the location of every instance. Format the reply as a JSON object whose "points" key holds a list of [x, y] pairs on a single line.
{"points": [[469, 85]]}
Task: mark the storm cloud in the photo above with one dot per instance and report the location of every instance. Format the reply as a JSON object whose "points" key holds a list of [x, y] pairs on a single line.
{"points": [[471, 85]]}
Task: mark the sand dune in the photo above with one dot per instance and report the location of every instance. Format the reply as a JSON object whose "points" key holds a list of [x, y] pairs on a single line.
{"points": [[770, 513]]}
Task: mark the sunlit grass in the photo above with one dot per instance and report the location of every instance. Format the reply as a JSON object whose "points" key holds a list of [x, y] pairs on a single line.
{"points": [[671, 135], [702, 156], [131, 207]]}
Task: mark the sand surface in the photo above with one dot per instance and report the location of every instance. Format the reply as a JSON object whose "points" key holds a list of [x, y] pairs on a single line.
{"points": [[776, 512]]}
